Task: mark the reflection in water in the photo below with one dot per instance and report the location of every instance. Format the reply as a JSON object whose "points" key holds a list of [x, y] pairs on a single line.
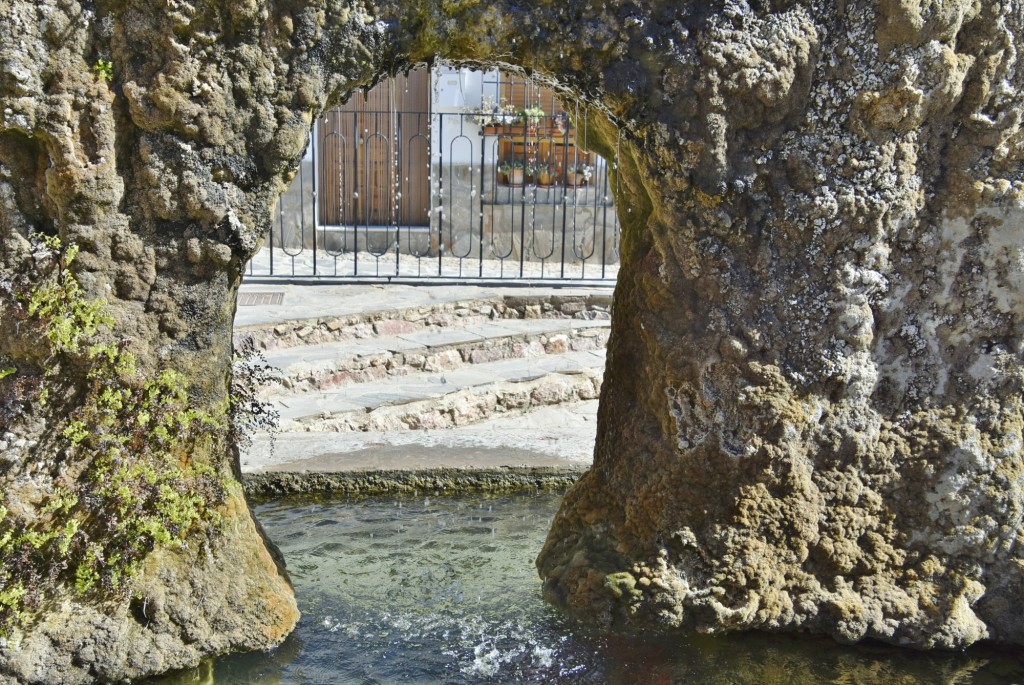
{"points": [[435, 590]]}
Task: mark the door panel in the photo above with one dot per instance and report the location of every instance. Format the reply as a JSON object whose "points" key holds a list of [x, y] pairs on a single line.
{"points": [[371, 149]]}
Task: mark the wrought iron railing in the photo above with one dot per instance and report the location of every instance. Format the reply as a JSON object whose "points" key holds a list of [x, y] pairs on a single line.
{"points": [[459, 196]]}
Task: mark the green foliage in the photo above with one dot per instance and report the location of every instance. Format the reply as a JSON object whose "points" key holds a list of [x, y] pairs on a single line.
{"points": [[58, 302], [137, 439], [532, 114], [508, 166], [136, 435], [103, 69]]}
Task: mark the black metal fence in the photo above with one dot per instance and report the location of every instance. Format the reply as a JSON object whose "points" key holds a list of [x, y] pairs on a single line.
{"points": [[451, 196]]}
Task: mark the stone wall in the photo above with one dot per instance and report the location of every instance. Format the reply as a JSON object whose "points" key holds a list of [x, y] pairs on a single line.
{"points": [[811, 417]]}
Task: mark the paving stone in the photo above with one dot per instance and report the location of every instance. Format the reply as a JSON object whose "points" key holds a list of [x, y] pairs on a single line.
{"points": [[561, 300], [394, 327], [557, 344], [442, 337]]}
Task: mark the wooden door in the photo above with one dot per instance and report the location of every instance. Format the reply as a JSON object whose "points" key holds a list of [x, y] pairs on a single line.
{"points": [[374, 156]]}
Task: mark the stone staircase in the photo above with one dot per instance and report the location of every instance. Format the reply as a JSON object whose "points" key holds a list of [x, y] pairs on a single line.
{"points": [[430, 368]]}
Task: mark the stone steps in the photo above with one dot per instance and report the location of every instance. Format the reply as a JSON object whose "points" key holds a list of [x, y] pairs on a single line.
{"points": [[370, 360], [559, 436], [446, 399], [436, 366], [512, 380]]}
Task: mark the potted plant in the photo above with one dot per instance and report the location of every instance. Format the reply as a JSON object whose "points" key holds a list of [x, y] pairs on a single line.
{"points": [[532, 116], [545, 175], [513, 172], [578, 174]]}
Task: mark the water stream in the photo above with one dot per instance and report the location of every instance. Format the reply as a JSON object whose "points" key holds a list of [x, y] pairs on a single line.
{"points": [[432, 590]]}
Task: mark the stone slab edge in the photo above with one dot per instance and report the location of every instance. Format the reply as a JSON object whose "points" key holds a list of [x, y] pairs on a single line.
{"points": [[442, 481], [323, 329], [461, 407]]}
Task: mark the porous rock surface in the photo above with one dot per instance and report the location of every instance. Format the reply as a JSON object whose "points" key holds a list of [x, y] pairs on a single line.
{"points": [[811, 417]]}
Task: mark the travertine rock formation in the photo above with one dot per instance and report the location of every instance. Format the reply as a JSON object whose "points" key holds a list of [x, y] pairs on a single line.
{"points": [[812, 412], [163, 175]]}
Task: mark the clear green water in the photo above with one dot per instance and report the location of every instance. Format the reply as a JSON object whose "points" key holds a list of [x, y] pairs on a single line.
{"points": [[443, 590]]}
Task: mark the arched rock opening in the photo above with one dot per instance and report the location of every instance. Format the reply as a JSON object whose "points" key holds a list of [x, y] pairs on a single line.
{"points": [[811, 417]]}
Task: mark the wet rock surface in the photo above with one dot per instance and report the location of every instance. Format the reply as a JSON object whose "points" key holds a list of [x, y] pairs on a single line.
{"points": [[811, 417]]}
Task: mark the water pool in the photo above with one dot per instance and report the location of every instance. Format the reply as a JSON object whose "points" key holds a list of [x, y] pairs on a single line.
{"points": [[430, 590]]}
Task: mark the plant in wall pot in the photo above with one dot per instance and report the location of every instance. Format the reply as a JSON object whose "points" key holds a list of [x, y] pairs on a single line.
{"points": [[532, 117], [513, 173], [578, 174], [491, 113], [561, 122], [545, 175]]}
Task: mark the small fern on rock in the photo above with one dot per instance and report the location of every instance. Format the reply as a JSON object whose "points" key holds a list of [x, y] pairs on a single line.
{"points": [[121, 478]]}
